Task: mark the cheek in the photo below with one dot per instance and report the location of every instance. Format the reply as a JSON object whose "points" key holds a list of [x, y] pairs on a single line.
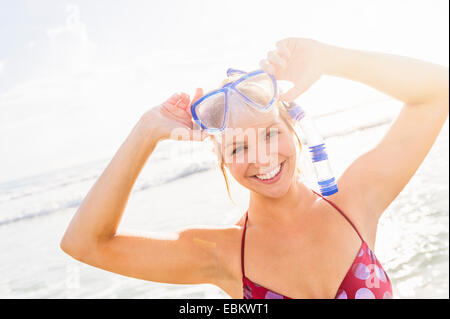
{"points": [[238, 171], [286, 146]]}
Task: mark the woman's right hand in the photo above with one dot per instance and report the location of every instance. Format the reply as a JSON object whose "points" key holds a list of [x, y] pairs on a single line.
{"points": [[172, 119]]}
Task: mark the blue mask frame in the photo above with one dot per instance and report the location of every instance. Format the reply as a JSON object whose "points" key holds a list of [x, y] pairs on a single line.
{"points": [[232, 86]]}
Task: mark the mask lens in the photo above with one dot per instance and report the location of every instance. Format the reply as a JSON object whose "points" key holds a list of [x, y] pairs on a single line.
{"points": [[258, 88], [211, 111]]}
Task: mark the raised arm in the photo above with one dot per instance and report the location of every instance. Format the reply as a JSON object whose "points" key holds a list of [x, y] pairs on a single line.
{"points": [[378, 176], [92, 236]]}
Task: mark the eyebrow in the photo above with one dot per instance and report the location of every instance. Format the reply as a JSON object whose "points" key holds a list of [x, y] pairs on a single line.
{"points": [[241, 142]]}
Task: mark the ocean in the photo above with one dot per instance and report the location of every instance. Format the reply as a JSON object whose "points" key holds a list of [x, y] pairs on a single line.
{"points": [[412, 241]]}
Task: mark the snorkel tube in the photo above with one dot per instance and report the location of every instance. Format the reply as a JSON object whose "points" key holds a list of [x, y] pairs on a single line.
{"points": [[317, 149]]}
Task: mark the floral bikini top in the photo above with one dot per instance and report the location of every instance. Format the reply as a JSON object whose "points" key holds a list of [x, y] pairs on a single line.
{"points": [[365, 279]]}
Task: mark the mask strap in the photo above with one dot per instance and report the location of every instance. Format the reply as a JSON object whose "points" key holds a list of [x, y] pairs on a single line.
{"points": [[231, 72]]}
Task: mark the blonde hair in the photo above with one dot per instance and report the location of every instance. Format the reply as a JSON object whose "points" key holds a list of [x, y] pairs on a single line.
{"points": [[284, 114]]}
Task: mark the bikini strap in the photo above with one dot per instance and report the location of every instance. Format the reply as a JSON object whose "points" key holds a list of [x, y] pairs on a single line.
{"points": [[342, 213], [242, 245], [327, 200]]}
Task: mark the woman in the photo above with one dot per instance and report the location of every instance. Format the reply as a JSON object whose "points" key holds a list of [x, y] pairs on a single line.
{"points": [[295, 243]]}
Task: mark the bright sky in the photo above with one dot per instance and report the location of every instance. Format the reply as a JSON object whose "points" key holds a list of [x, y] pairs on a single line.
{"points": [[76, 75]]}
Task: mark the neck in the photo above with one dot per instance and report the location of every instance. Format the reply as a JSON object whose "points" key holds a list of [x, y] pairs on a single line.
{"points": [[283, 210]]}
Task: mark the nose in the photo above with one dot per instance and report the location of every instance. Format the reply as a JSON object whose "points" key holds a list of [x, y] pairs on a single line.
{"points": [[265, 154], [266, 162]]}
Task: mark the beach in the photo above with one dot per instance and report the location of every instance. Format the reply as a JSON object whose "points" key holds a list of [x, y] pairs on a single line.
{"points": [[182, 186]]}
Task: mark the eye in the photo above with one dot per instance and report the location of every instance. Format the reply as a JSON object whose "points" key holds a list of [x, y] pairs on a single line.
{"points": [[271, 133], [237, 149]]}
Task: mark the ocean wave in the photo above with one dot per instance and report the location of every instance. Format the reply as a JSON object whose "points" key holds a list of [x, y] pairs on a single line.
{"points": [[343, 132], [66, 198], [65, 189]]}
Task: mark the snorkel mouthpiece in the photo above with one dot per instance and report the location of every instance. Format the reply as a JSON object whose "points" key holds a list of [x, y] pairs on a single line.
{"points": [[317, 149]]}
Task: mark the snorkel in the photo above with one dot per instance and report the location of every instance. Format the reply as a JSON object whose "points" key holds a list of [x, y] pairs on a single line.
{"points": [[317, 149]]}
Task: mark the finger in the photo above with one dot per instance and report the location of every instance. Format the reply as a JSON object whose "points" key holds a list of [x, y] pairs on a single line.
{"points": [[266, 66], [185, 97], [180, 101], [174, 98], [198, 94], [179, 96], [275, 58], [181, 104], [283, 49]]}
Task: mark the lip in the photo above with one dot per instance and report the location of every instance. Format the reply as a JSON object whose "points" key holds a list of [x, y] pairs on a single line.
{"points": [[273, 179]]}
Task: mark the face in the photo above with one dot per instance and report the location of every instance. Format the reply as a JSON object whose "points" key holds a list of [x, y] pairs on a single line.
{"points": [[259, 151]]}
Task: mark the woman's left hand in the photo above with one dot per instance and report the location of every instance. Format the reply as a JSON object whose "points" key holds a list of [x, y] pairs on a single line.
{"points": [[298, 60]]}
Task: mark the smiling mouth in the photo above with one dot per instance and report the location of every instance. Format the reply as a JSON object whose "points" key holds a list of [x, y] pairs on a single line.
{"points": [[272, 176]]}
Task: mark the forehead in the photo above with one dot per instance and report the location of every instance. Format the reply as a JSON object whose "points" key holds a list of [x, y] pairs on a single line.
{"points": [[243, 116], [247, 125]]}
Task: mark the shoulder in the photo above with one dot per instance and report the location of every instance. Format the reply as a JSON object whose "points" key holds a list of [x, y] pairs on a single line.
{"points": [[219, 238], [225, 243], [225, 239], [240, 221]]}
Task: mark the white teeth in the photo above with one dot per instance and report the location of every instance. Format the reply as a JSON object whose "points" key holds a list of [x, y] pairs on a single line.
{"points": [[270, 174]]}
